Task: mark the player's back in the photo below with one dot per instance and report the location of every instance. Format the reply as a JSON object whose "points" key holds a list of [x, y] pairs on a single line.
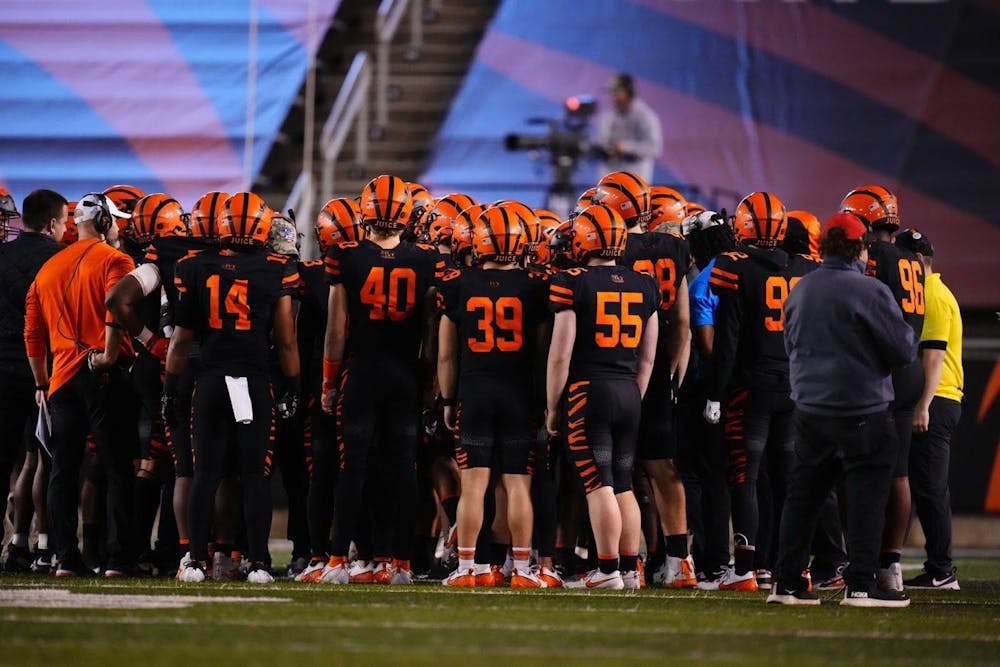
{"points": [[664, 257], [498, 313], [386, 290], [228, 298], [165, 252], [903, 273], [612, 304]]}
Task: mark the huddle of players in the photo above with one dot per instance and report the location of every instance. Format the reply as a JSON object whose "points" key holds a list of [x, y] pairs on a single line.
{"points": [[499, 319]]}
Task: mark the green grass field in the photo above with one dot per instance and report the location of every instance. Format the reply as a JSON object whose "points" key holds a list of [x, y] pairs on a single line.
{"points": [[295, 624]]}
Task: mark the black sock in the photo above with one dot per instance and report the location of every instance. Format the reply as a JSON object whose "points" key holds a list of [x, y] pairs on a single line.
{"points": [[677, 545], [607, 565], [450, 506], [887, 558], [628, 563]]}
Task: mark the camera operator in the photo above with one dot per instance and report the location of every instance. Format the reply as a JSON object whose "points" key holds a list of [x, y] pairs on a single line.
{"points": [[630, 134]]}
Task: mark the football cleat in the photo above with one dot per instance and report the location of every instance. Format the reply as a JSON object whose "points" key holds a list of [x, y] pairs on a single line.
{"points": [[259, 574], [485, 577], [597, 579], [527, 579], [890, 578], [382, 573], [550, 577], [361, 572], [712, 581], [335, 572], [193, 573], [679, 573], [297, 566], [460, 579], [185, 561], [738, 582], [631, 580], [764, 580], [401, 576], [313, 571]]}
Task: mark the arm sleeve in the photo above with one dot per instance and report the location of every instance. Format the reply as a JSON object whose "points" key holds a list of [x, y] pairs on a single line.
{"points": [[447, 294], [703, 301], [291, 282], [562, 292], [728, 318], [332, 264], [148, 277], [35, 331]]}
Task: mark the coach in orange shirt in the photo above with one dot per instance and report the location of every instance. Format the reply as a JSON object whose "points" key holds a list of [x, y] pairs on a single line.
{"points": [[66, 320]]}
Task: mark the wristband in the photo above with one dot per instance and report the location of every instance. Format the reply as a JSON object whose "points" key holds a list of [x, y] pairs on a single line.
{"points": [[144, 336], [331, 371], [448, 402], [42, 387], [114, 325]]}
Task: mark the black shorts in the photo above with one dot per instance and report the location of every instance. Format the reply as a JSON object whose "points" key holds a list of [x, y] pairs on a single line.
{"points": [[658, 424], [495, 428], [908, 386], [601, 419]]}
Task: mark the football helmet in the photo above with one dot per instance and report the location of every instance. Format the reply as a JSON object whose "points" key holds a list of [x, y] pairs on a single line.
{"points": [[156, 215], [124, 197], [245, 220], [338, 222], [72, 234], [500, 234], [805, 228], [583, 201], [666, 207], [204, 216], [693, 208], [599, 231], [627, 194], [386, 203], [760, 220], [875, 205], [422, 201], [461, 234], [283, 239], [441, 218]]}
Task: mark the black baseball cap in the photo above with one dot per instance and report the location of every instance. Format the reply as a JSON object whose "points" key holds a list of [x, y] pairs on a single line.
{"points": [[915, 241]]}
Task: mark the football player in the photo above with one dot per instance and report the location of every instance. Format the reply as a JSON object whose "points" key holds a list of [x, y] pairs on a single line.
{"points": [[381, 299], [232, 298], [600, 360], [492, 327], [750, 368]]}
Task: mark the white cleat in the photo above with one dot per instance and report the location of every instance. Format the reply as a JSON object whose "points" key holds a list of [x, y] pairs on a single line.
{"points": [[401, 577], [679, 573], [191, 574], [312, 572], [259, 575], [631, 580], [335, 574], [597, 579]]}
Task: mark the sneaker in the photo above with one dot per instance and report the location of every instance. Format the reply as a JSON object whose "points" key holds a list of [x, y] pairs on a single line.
{"points": [[527, 579], [297, 566], [550, 577], [193, 573], [711, 581], [259, 574], [115, 572], [361, 572], [72, 567], [738, 582], [382, 574], [890, 578], [18, 560], [631, 580], [679, 573], [781, 594], [401, 576], [224, 568], [764, 580], [461, 579], [44, 561], [926, 580], [335, 572], [835, 582], [874, 598], [597, 579], [312, 572]]}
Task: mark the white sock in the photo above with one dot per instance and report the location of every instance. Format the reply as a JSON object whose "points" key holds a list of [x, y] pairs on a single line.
{"points": [[43, 541], [522, 558], [20, 540]]}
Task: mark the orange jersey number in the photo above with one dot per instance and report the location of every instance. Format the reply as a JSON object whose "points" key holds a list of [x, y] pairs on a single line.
{"points": [[499, 322], [776, 290], [622, 327], [664, 271], [909, 278], [392, 297], [235, 303]]}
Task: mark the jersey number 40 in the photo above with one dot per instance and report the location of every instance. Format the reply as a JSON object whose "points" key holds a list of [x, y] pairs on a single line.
{"points": [[390, 296]]}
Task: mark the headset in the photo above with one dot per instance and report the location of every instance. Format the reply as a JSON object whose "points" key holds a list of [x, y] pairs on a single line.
{"points": [[102, 223]]}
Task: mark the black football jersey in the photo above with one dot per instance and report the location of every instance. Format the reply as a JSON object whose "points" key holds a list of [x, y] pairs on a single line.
{"points": [[903, 273], [498, 314], [165, 253], [664, 257], [612, 304], [310, 322], [749, 347], [228, 298], [386, 293]]}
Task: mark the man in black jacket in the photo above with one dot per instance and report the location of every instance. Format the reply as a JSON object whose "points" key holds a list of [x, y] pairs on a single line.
{"points": [[44, 222], [844, 334]]}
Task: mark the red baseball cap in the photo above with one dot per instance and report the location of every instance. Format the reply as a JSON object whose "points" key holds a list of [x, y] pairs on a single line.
{"points": [[854, 229]]}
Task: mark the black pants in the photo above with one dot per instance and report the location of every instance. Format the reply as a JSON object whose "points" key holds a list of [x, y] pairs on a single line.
{"points": [[858, 451], [930, 455], [222, 447], [18, 414], [92, 404], [321, 464]]}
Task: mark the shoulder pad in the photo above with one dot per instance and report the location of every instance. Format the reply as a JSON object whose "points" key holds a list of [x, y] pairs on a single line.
{"points": [[311, 263], [347, 244], [450, 274], [576, 271]]}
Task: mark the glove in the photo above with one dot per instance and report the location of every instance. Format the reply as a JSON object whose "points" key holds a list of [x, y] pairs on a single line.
{"points": [[168, 401], [288, 402], [157, 346], [713, 412]]}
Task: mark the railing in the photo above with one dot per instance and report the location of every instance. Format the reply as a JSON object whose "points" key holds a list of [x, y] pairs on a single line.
{"points": [[387, 19]]}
